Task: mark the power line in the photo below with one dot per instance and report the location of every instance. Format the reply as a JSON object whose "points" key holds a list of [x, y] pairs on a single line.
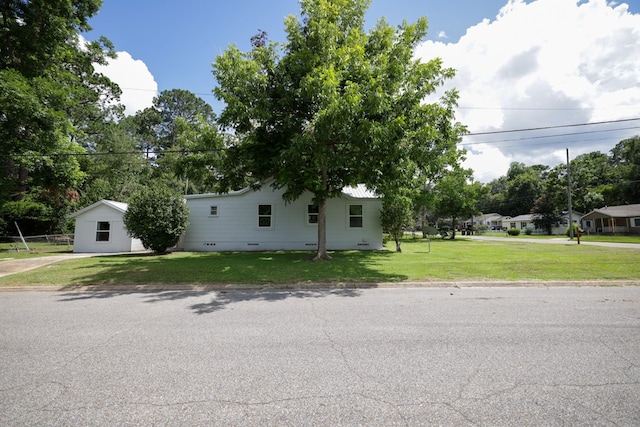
{"points": [[526, 138], [550, 127]]}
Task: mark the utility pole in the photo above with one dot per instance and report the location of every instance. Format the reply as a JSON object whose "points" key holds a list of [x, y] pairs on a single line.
{"points": [[569, 197]]}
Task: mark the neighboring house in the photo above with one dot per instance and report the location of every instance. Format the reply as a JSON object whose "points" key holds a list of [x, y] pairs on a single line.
{"points": [[521, 222], [490, 220], [624, 219], [100, 228], [250, 220]]}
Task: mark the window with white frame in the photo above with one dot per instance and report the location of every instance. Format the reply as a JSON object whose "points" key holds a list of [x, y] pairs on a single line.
{"points": [[103, 231], [312, 214], [355, 216], [213, 211], [635, 222], [265, 216]]}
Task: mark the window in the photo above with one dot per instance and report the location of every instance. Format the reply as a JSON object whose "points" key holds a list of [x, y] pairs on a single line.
{"points": [[312, 214], [512, 225], [355, 216], [102, 232], [635, 222], [265, 213], [213, 211], [587, 223]]}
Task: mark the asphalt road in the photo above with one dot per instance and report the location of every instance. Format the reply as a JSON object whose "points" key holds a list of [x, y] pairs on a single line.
{"points": [[384, 357]]}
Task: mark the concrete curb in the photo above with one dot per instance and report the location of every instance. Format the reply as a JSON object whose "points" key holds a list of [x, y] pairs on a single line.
{"points": [[155, 288]]}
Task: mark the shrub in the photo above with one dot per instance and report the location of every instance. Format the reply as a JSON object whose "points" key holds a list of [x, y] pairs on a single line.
{"points": [[528, 231], [156, 216], [513, 232]]}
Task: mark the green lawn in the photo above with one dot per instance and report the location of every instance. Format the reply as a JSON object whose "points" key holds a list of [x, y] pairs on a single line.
{"points": [[459, 260]]}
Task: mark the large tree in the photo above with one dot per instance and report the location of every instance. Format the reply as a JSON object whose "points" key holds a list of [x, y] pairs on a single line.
{"points": [[334, 106], [50, 96]]}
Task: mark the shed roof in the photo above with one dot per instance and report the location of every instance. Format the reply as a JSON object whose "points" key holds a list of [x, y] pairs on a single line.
{"points": [[622, 211], [119, 206]]}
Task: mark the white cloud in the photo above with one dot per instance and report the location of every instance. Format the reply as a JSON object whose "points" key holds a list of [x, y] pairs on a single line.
{"points": [[134, 78], [442, 35], [544, 63]]}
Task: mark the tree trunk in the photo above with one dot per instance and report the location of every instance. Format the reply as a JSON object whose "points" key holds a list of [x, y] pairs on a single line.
{"points": [[322, 231], [398, 248]]}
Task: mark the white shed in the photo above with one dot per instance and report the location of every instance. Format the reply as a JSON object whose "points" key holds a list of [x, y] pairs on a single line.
{"points": [[100, 228], [249, 220]]}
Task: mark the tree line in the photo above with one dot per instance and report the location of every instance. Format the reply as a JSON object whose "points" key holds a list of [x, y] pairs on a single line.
{"points": [[596, 179]]}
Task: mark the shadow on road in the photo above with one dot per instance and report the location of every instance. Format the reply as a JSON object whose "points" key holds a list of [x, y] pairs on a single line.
{"points": [[219, 299]]}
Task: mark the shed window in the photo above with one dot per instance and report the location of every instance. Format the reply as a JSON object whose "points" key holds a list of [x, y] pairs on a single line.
{"points": [[213, 211], [102, 232], [355, 216], [312, 214], [265, 212], [635, 222]]}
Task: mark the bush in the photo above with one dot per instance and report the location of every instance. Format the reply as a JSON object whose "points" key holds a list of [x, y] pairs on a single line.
{"points": [[156, 216], [528, 231], [513, 232], [32, 217]]}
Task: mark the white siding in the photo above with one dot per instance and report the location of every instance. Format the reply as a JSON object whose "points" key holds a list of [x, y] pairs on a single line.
{"points": [[235, 227], [86, 227]]}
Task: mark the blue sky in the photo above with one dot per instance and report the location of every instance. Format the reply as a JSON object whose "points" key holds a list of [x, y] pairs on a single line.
{"points": [[521, 64]]}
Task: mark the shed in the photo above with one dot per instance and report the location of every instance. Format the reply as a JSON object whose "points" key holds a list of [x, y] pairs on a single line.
{"points": [[100, 228], [624, 219], [257, 220]]}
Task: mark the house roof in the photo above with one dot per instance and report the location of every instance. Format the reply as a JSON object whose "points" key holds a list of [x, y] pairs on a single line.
{"points": [[486, 216], [359, 191], [119, 206], [622, 211], [526, 217]]}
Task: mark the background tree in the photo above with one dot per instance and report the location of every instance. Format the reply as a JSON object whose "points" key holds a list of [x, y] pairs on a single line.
{"points": [[493, 198], [625, 158], [157, 216], [456, 197], [50, 98], [114, 168], [546, 213], [397, 215], [524, 186], [334, 106]]}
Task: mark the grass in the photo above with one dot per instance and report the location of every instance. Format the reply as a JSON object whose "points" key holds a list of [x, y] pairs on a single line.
{"points": [[36, 249], [458, 260]]}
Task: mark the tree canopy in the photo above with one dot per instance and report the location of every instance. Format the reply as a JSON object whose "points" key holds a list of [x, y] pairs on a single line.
{"points": [[334, 106], [50, 97]]}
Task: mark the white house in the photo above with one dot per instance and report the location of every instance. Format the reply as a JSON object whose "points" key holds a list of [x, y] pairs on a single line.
{"points": [[523, 222], [249, 220], [100, 228]]}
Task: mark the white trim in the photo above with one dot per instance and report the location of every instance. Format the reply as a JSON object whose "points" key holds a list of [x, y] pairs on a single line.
{"points": [[271, 216]]}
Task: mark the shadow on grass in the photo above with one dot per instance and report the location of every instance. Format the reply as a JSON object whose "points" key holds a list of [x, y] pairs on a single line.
{"points": [[256, 276]]}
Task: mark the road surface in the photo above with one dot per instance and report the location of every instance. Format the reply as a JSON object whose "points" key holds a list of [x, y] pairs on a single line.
{"points": [[448, 356]]}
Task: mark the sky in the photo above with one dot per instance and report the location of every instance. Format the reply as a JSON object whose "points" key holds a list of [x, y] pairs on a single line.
{"points": [[535, 77]]}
